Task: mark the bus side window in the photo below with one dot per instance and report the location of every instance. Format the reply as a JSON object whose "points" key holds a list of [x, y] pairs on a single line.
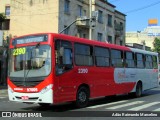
{"points": [[139, 60], [117, 58], [148, 62], [129, 60], [155, 65], [83, 54]]}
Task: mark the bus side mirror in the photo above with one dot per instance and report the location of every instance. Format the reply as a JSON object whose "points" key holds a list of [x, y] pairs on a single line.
{"points": [[61, 51]]}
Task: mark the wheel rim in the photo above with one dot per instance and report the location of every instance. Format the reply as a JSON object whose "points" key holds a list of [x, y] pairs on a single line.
{"points": [[82, 96]]}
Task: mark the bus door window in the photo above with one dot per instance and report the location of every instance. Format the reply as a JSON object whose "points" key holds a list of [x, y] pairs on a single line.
{"points": [[63, 53]]}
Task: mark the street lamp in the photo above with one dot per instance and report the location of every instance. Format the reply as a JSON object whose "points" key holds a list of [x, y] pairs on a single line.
{"points": [[138, 36], [144, 44]]}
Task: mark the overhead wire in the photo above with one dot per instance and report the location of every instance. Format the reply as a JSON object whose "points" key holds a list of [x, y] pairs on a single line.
{"points": [[144, 7], [113, 1]]}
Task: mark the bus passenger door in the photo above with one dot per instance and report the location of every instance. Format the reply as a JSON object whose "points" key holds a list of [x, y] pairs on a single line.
{"points": [[64, 64]]}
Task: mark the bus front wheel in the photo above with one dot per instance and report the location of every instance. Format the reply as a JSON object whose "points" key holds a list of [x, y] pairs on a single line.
{"points": [[82, 97], [44, 104]]}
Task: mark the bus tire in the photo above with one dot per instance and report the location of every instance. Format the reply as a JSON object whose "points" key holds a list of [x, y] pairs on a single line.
{"points": [[138, 92], [82, 97], [44, 104]]}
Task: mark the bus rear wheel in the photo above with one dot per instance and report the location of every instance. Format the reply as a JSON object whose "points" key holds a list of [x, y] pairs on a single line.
{"points": [[82, 97], [138, 92]]}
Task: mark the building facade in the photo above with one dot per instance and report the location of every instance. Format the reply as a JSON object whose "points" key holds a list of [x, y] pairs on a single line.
{"points": [[145, 37], [4, 25], [4, 33], [37, 16]]}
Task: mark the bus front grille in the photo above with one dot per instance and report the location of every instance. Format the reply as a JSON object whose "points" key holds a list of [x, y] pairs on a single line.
{"points": [[29, 82]]}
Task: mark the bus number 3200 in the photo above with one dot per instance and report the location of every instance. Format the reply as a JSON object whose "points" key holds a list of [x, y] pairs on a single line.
{"points": [[82, 70]]}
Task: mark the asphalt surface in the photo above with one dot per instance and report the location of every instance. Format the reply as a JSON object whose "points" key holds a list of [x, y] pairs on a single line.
{"points": [[149, 102]]}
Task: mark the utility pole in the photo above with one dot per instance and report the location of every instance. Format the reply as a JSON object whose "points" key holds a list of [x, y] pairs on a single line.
{"points": [[90, 15], [73, 23], [93, 16]]}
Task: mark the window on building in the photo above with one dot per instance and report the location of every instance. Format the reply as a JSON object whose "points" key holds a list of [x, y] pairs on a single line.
{"points": [[109, 20], [101, 57], [66, 31], [117, 58], [100, 16], [80, 10], [129, 57], [79, 33], [109, 39], [84, 36], [99, 37], [5, 25], [139, 60], [148, 62], [83, 55], [7, 10], [115, 22], [67, 6], [121, 42], [121, 26], [84, 12]]}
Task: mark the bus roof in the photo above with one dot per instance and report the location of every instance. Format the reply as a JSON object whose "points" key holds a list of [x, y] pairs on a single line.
{"points": [[98, 43], [90, 42]]}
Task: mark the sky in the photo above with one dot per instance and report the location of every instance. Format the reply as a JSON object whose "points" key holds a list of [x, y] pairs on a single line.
{"points": [[138, 12]]}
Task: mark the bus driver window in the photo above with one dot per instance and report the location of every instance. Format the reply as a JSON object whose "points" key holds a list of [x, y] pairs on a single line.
{"points": [[63, 56]]}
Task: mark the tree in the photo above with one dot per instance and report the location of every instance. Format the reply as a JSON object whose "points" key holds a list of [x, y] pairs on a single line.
{"points": [[156, 45], [2, 17]]}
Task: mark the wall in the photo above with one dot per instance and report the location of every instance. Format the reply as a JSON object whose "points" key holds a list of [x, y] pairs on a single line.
{"points": [[34, 16]]}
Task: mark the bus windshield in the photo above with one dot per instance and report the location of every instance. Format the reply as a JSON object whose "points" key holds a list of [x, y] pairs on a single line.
{"points": [[30, 61]]}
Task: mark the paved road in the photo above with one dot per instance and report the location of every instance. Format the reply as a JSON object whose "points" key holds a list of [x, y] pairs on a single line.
{"points": [[150, 101]]}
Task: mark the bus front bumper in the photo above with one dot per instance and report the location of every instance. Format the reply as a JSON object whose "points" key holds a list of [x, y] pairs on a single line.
{"points": [[41, 97]]}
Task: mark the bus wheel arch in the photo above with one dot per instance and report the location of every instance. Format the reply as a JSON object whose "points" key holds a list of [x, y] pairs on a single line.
{"points": [[139, 89], [82, 95]]}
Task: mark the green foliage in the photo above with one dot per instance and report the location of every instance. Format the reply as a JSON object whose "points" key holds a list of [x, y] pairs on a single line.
{"points": [[156, 45], [2, 17]]}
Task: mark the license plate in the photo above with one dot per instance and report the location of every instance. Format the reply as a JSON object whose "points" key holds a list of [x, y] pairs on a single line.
{"points": [[24, 97]]}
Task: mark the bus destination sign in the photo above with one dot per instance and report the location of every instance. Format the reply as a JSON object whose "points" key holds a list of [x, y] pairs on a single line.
{"points": [[29, 39]]}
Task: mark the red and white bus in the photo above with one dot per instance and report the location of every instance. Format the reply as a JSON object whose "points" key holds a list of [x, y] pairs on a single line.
{"points": [[53, 68]]}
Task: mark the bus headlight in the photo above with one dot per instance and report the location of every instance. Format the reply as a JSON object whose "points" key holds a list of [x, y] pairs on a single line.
{"points": [[47, 88], [10, 89]]}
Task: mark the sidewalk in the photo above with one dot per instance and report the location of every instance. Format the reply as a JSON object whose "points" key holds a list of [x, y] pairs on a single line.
{"points": [[3, 91]]}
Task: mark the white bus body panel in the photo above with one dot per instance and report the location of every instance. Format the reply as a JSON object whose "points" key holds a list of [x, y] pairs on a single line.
{"points": [[148, 77], [46, 97]]}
